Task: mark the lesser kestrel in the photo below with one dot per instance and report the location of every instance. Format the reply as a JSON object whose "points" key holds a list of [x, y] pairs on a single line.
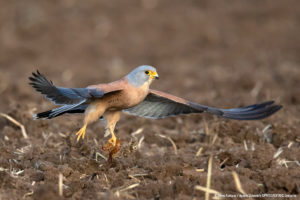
{"points": [[131, 94]]}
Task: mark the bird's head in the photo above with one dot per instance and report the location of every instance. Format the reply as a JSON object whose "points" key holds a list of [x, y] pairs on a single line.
{"points": [[141, 75]]}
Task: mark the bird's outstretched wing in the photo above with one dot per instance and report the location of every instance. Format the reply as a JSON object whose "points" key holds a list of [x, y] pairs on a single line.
{"points": [[161, 105], [61, 95]]}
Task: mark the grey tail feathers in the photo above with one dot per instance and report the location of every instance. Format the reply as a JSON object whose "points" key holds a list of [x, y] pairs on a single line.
{"points": [[75, 108]]}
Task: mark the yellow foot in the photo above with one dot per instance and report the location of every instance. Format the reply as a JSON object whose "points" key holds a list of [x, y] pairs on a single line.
{"points": [[113, 140], [81, 133], [111, 143]]}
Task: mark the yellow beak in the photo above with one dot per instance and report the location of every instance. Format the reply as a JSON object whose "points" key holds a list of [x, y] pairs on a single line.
{"points": [[154, 75]]}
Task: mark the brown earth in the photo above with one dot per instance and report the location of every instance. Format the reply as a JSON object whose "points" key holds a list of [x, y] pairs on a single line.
{"points": [[218, 53]]}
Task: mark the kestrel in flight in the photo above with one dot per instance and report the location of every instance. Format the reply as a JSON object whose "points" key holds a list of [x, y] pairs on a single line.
{"points": [[131, 94]]}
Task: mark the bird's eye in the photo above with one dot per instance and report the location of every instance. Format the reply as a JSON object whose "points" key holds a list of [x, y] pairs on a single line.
{"points": [[147, 72]]}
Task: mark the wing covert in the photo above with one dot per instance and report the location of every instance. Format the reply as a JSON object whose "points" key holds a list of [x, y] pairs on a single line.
{"points": [[159, 105]]}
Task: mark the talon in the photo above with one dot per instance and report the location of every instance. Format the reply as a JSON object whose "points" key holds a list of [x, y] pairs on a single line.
{"points": [[81, 133], [113, 145], [113, 140], [115, 150], [109, 146]]}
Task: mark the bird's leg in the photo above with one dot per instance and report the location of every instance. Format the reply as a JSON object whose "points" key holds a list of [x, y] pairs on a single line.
{"points": [[107, 132], [92, 113], [111, 117], [81, 132], [113, 145], [116, 144]]}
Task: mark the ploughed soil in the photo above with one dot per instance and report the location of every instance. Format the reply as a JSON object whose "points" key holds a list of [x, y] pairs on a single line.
{"points": [[218, 53]]}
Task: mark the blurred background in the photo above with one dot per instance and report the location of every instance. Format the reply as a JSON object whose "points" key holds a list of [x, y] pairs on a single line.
{"points": [[219, 53]]}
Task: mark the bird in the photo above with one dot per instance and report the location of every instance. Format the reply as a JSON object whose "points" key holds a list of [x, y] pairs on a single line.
{"points": [[132, 95]]}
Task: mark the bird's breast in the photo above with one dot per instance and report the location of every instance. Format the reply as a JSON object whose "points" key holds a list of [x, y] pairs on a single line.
{"points": [[126, 98]]}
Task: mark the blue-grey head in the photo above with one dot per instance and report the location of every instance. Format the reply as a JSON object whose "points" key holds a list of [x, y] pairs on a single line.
{"points": [[141, 75]]}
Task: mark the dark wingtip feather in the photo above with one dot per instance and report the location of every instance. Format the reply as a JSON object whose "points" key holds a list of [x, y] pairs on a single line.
{"points": [[35, 78], [252, 112]]}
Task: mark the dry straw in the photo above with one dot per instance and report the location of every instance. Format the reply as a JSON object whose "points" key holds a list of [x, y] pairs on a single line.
{"points": [[172, 142], [21, 126], [199, 152], [122, 191], [207, 189], [237, 182], [60, 184], [208, 177]]}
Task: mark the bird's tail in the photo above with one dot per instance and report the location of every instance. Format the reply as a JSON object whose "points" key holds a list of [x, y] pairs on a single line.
{"points": [[75, 108], [251, 112]]}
